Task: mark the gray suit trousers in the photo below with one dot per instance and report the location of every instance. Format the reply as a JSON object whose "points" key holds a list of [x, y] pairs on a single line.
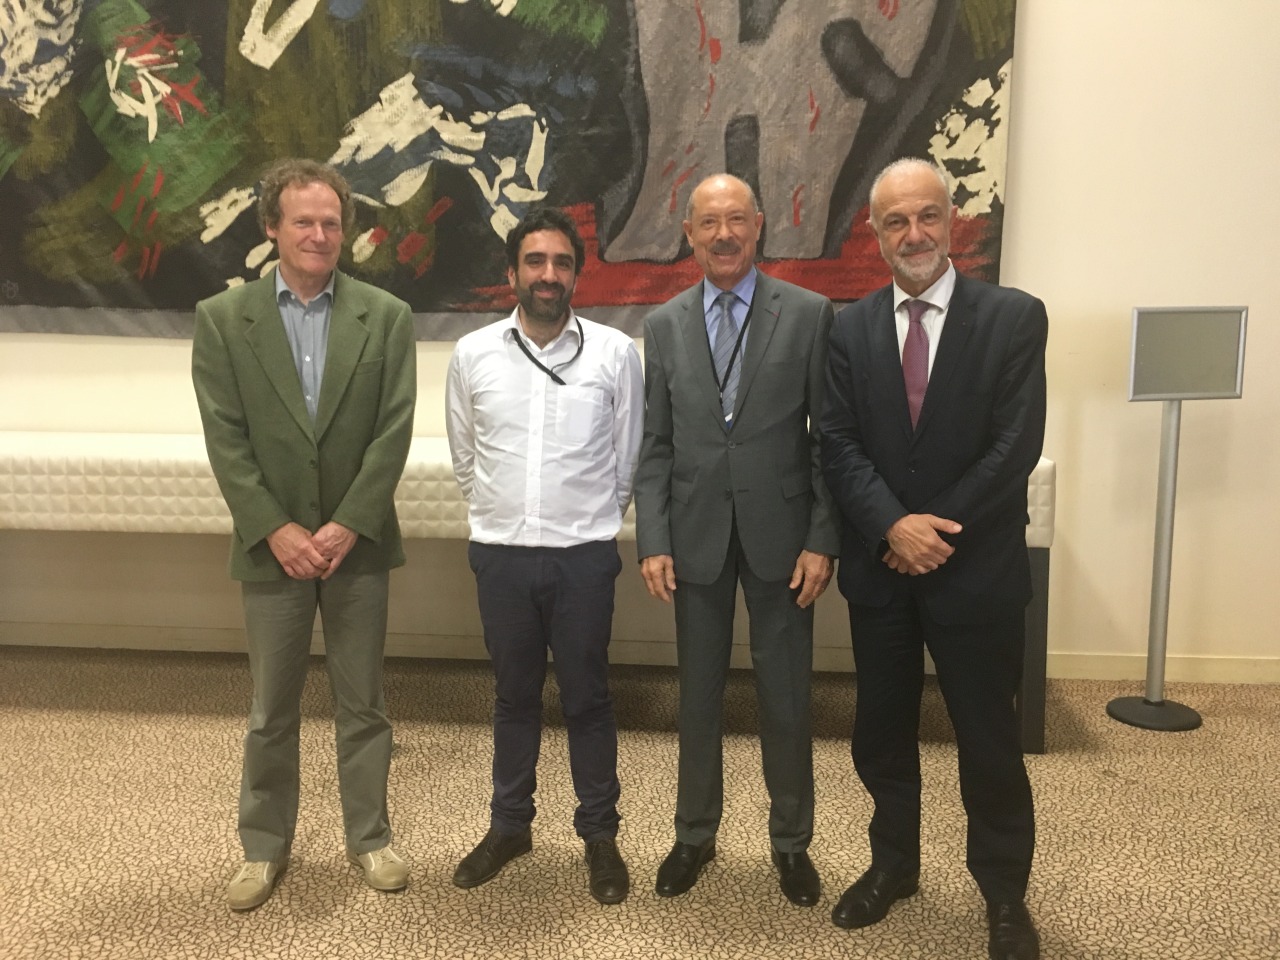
{"points": [[279, 616], [782, 654]]}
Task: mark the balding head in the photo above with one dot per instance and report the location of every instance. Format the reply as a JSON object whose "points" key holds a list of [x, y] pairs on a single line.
{"points": [[723, 227], [911, 215]]}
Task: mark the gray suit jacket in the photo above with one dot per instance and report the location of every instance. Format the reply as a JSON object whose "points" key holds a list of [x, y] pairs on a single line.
{"points": [[272, 464], [696, 477]]}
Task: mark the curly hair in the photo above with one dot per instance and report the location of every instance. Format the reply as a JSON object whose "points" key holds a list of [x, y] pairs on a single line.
{"points": [[298, 172]]}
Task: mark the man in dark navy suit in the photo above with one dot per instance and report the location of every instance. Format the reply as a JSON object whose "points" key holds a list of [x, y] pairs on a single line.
{"points": [[933, 422]]}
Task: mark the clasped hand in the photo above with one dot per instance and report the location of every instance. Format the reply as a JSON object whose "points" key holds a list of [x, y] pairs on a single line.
{"points": [[307, 556], [914, 544]]}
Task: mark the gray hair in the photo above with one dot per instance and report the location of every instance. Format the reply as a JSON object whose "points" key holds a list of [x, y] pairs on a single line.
{"points": [[908, 163], [751, 194]]}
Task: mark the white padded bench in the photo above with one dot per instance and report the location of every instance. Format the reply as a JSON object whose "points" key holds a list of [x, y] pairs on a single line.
{"points": [[162, 483]]}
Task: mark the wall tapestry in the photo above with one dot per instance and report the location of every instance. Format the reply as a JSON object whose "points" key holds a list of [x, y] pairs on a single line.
{"points": [[132, 133]]}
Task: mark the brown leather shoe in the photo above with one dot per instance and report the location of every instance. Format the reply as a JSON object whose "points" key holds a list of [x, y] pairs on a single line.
{"points": [[679, 872], [609, 881], [869, 899], [491, 854], [1013, 935]]}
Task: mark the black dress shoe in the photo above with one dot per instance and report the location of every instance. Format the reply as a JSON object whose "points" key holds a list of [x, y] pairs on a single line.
{"points": [[798, 878], [679, 872], [869, 899], [609, 881], [491, 854], [1013, 935]]}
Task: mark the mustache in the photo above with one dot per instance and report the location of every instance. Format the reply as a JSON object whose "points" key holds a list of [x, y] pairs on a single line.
{"points": [[555, 288], [928, 246], [725, 247]]}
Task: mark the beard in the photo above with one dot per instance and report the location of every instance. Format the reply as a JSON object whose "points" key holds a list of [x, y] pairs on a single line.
{"points": [[920, 272], [541, 311]]}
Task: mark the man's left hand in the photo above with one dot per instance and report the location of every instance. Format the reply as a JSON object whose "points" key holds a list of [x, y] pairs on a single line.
{"points": [[334, 541], [812, 574]]}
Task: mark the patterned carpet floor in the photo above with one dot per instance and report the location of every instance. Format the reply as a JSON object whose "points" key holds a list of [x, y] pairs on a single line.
{"points": [[118, 781]]}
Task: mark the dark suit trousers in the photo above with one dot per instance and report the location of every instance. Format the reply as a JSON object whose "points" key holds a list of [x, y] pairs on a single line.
{"points": [[979, 668], [559, 598], [782, 654]]}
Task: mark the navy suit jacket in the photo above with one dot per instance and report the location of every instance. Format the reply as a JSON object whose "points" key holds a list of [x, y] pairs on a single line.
{"points": [[969, 458]]}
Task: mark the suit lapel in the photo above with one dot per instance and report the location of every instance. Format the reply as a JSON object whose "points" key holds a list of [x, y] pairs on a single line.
{"points": [[955, 334], [885, 362], [347, 335], [766, 308], [692, 320], [270, 345]]}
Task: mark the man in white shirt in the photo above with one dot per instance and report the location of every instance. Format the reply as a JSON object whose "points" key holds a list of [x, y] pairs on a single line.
{"points": [[544, 413]]}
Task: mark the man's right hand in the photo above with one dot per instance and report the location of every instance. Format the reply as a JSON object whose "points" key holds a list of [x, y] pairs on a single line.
{"points": [[914, 544], [292, 546], [659, 574]]}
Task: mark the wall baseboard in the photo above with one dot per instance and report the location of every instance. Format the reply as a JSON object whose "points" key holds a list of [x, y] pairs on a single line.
{"points": [[1064, 666]]}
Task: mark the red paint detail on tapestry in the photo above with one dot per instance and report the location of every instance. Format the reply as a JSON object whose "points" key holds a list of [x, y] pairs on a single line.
{"points": [[174, 108], [669, 168], [118, 253], [137, 177], [857, 270], [889, 8], [689, 149], [142, 264], [157, 183], [702, 27], [815, 111], [675, 187], [151, 220], [711, 92], [186, 93], [137, 211], [424, 266], [797, 205], [119, 199], [437, 210], [378, 234], [155, 259], [715, 50], [409, 246]]}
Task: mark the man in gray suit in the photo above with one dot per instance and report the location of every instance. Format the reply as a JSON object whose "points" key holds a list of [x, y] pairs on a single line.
{"points": [[729, 491]]}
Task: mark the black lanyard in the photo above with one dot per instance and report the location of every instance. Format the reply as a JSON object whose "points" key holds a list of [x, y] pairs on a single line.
{"points": [[551, 371]]}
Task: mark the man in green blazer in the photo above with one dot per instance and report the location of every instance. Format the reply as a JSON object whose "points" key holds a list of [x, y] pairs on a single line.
{"points": [[306, 385]]}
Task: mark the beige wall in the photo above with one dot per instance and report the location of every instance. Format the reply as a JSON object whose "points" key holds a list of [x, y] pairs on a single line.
{"points": [[1140, 173]]}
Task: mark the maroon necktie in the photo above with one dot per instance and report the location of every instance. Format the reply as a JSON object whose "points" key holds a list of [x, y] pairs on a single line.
{"points": [[915, 359]]}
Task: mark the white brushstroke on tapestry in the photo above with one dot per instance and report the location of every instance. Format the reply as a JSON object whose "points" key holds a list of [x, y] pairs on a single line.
{"points": [[401, 117], [151, 89], [964, 135], [263, 47], [24, 27], [219, 214], [502, 7]]}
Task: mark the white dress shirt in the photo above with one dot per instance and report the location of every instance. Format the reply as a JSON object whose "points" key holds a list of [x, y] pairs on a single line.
{"points": [[540, 464], [938, 297]]}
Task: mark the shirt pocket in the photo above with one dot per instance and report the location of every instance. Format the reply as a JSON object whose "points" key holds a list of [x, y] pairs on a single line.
{"points": [[580, 413]]}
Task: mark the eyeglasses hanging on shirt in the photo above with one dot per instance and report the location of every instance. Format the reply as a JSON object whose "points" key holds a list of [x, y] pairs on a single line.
{"points": [[551, 371]]}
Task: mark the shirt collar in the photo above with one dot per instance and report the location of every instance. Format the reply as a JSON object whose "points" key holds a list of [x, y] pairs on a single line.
{"points": [[938, 294], [512, 329], [745, 289], [282, 287]]}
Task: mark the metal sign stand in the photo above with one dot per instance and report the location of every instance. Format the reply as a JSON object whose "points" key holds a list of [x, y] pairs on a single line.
{"points": [[1152, 711]]}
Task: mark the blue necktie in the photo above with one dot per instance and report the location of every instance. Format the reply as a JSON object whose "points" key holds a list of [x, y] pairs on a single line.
{"points": [[722, 352]]}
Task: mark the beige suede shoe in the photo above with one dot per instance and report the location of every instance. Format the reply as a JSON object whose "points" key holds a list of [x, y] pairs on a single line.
{"points": [[253, 883], [383, 869]]}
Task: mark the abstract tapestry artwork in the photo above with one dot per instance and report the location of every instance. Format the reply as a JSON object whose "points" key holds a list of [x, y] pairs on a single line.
{"points": [[132, 133]]}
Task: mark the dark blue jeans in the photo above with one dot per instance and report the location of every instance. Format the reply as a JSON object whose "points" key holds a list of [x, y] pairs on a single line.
{"points": [[535, 599]]}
